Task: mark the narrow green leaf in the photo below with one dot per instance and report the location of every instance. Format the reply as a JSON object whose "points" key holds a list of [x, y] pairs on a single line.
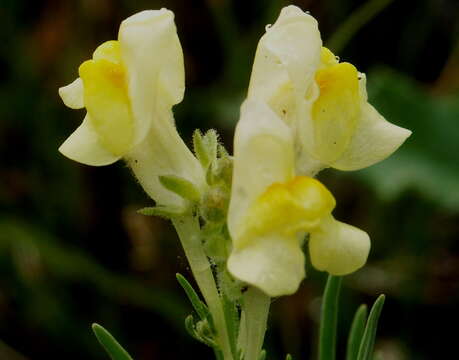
{"points": [[180, 186], [329, 319], [200, 308], [262, 355], [166, 212], [288, 357], [356, 333], [108, 342], [368, 339]]}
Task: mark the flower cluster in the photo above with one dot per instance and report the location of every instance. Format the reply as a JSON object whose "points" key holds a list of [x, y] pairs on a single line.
{"points": [[304, 111]]}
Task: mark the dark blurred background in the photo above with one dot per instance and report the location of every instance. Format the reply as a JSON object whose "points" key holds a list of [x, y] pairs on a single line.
{"points": [[74, 251]]}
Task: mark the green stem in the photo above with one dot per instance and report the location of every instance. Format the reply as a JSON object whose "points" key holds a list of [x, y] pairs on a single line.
{"points": [[329, 319], [189, 233], [256, 308]]}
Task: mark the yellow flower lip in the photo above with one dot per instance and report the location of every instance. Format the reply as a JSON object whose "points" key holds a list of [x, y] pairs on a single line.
{"points": [[106, 98], [114, 73], [288, 208], [337, 77], [336, 111], [109, 50]]}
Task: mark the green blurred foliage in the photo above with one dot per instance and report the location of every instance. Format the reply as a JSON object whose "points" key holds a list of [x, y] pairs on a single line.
{"points": [[428, 161], [74, 251]]}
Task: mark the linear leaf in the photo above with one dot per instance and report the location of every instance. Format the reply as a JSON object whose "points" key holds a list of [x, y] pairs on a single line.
{"points": [[109, 343], [197, 304], [356, 332], [329, 319], [368, 340]]}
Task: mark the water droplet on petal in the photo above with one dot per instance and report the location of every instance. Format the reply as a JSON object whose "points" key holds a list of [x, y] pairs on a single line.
{"points": [[268, 27]]}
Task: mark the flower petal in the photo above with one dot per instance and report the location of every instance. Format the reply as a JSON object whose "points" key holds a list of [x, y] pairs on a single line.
{"points": [[72, 94], [289, 53], [110, 51], [374, 140], [107, 102], [166, 154], [153, 58], [273, 264], [84, 146], [338, 248], [296, 206], [336, 111], [263, 155], [327, 58]]}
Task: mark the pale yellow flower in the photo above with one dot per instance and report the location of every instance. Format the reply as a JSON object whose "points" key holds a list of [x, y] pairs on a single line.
{"points": [[305, 111], [128, 89], [323, 101], [272, 209]]}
